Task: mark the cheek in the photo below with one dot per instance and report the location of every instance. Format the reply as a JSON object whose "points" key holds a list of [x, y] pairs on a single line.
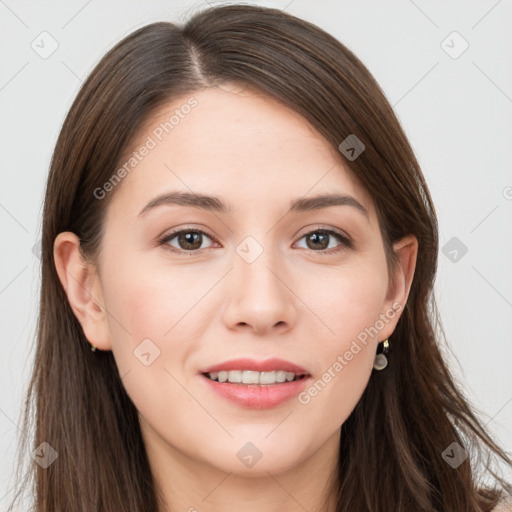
{"points": [[350, 306], [349, 301], [152, 336], [155, 310], [151, 300]]}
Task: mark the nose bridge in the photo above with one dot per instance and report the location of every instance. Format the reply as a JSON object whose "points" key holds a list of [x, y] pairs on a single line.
{"points": [[256, 265], [258, 294]]}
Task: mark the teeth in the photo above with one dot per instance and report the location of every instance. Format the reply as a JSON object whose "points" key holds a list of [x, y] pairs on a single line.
{"points": [[280, 376], [268, 378], [250, 377], [235, 376], [253, 377]]}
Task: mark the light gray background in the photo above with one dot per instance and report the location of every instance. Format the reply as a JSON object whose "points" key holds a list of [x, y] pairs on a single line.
{"points": [[456, 112]]}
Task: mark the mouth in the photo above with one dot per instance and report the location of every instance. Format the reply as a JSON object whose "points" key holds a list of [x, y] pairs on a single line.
{"points": [[254, 378], [255, 384]]}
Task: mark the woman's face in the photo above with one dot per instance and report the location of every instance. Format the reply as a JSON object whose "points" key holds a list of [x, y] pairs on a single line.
{"points": [[250, 277]]}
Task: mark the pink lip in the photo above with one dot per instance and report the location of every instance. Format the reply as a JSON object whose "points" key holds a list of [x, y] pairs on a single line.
{"points": [[257, 396], [259, 366]]}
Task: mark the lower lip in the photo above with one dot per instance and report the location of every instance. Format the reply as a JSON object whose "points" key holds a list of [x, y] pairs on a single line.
{"points": [[252, 396]]}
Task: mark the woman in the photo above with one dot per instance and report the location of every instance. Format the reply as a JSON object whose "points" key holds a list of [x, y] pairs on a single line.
{"points": [[236, 223]]}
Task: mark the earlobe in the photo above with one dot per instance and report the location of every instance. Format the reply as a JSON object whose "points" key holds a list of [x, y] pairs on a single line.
{"points": [[81, 284]]}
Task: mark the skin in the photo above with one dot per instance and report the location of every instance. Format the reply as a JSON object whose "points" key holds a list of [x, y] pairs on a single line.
{"points": [[291, 302]]}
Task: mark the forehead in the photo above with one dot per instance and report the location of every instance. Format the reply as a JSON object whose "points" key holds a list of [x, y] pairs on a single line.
{"points": [[233, 142]]}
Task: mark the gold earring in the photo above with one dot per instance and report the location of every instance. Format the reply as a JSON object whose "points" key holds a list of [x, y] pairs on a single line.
{"points": [[381, 361], [93, 348]]}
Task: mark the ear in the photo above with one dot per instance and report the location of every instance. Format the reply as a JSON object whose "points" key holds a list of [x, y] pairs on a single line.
{"points": [[82, 286], [406, 250]]}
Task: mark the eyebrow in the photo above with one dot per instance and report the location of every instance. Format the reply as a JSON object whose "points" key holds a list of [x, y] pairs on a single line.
{"points": [[216, 204]]}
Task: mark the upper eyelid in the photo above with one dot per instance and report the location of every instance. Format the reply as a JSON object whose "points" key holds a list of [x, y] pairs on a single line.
{"points": [[339, 232], [308, 230], [186, 229]]}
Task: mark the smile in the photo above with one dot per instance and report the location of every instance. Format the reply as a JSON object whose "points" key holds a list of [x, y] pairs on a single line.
{"points": [[253, 377]]}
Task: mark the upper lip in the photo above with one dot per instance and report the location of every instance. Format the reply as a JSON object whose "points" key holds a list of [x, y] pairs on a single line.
{"points": [[267, 365]]}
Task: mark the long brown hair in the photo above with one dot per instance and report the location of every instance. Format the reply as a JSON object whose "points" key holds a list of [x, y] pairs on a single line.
{"points": [[392, 444]]}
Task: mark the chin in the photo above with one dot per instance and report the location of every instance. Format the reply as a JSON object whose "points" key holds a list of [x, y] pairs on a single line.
{"points": [[255, 458]]}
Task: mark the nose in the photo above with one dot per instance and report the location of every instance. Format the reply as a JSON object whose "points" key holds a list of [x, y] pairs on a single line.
{"points": [[260, 296]]}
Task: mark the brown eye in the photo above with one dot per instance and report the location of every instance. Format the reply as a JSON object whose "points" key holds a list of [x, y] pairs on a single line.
{"points": [[189, 240], [320, 240]]}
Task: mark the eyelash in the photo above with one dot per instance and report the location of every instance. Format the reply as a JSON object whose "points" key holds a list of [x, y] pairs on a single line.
{"points": [[345, 244]]}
